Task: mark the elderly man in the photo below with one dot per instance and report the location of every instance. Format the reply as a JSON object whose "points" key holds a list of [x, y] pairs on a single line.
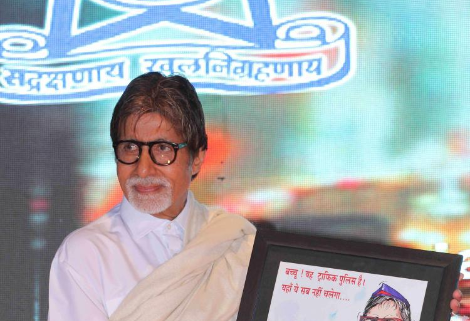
{"points": [[159, 254], [124, 266]]}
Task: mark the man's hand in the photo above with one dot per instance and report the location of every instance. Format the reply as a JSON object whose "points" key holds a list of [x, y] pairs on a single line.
{"points": [[457, 297]]}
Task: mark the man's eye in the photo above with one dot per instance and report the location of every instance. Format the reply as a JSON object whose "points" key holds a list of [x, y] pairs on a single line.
{"points": [[130, 148], [163, 148]]}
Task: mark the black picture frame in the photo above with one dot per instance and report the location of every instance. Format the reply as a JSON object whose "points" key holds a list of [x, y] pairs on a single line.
{"points": [[440, 270]]}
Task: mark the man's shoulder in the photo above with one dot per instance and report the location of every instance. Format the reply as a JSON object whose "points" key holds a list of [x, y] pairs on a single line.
{"points": [[220, 213], [88, 238], [229, 221], [209, 215]]}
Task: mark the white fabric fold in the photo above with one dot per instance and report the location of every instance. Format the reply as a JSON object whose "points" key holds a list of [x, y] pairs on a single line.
{"points": [[202, 283]]}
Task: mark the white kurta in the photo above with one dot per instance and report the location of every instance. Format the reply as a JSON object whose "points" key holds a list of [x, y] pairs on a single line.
{"points": [[99, 264], [202, 283]]}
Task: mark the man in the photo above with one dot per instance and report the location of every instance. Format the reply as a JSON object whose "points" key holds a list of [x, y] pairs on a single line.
{"points": [[159, 254], [386, 303], [124, 266]]}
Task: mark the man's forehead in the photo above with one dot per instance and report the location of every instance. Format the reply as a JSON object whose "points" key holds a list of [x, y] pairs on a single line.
{"points": [[148, 122]]}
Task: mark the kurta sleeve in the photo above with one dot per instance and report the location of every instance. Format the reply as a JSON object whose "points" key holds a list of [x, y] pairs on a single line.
{"points": [[71, 296]]}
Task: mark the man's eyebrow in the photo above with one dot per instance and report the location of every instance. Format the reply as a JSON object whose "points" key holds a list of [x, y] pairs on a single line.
{"points": [[148, 141]]}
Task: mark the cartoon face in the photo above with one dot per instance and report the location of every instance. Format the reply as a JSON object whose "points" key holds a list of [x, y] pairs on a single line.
{"points": [[385, 311]]}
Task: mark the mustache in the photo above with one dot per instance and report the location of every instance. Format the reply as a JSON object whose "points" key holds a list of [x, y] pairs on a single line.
{"points": [[147, 181]]}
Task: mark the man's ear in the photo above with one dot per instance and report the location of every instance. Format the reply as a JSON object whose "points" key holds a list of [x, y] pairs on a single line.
{"points": [[198, 160]]}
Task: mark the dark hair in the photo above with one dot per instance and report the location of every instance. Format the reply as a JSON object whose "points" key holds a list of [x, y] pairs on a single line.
{"points": [[378, 300], [173, 97]]}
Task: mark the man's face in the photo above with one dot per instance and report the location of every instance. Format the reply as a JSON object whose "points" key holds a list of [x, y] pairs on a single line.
{"points": [[387, 309], [151, 188]]}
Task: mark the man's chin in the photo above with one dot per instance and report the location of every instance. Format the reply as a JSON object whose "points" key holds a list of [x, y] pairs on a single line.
{"points": [[150, 208], [151, 204]]}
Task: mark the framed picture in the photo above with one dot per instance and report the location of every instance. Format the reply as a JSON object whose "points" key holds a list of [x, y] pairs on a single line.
{"points": [[303, 278]]}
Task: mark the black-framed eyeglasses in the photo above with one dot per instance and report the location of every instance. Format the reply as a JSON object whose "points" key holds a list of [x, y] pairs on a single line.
{"points": [[161, 152]]}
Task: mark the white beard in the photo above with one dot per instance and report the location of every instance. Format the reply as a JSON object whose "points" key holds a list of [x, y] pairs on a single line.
{"points": [[153, 203]]}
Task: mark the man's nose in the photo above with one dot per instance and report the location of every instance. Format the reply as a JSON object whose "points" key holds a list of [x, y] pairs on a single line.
{"points": [[145, 165]]}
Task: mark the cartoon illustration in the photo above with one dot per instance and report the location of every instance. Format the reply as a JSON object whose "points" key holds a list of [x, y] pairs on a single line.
{"points": [[386, 304], [302, 290]]}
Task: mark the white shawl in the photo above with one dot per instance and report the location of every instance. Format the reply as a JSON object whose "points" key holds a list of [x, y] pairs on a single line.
{"points": [[202, 283]]}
